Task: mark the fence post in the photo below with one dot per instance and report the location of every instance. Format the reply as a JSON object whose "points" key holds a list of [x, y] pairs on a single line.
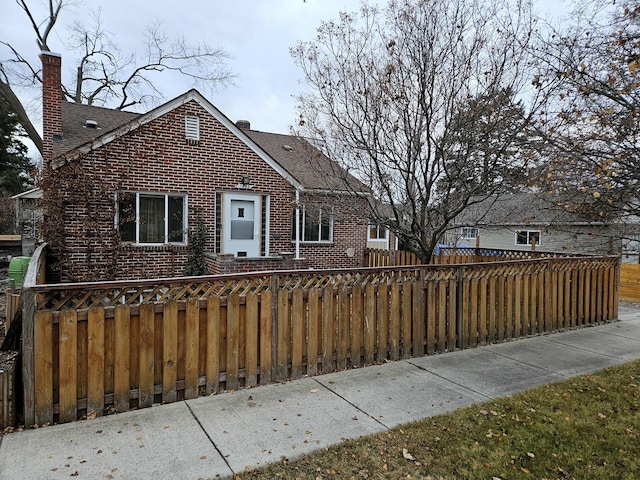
{"points": [[275, 284], [476, 256]]}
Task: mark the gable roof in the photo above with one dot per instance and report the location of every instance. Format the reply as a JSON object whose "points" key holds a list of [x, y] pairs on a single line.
{"points": [[302, 165], [523, 208]]}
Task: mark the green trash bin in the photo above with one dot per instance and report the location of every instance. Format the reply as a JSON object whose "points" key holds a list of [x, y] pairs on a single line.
{"points": [[18, 269]]}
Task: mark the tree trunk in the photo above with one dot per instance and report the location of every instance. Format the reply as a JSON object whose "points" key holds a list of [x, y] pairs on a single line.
{"points": [[16, 106]]}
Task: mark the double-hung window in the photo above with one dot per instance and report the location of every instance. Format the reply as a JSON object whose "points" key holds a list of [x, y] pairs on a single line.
{"points": [[316, 225], [469, 233], [152, 218], [527, 237], [377, 232]]}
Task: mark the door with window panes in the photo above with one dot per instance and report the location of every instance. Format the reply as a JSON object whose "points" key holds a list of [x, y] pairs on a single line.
{"points": [[242, 225]]}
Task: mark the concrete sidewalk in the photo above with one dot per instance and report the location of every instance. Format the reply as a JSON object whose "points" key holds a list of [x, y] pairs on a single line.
{"points": [[213, 437]]}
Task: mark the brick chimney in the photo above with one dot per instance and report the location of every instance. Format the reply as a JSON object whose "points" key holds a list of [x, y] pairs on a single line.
{"points": [[51, 102]]}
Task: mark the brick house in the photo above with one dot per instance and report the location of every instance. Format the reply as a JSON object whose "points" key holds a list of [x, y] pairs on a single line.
{"points": [[123, 192]]}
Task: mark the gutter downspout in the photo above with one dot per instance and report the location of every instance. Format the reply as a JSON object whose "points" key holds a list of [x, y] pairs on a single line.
{"points": [[297, 224]]}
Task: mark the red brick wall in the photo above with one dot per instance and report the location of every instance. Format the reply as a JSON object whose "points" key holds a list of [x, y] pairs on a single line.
{"points": [[156, 158], [346, 250], [51, 101]]}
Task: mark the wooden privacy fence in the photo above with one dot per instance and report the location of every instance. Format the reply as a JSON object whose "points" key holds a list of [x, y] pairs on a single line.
{"points": [[375, 257], [122, 345], [455, 255], [630, 281], [12, 297]]}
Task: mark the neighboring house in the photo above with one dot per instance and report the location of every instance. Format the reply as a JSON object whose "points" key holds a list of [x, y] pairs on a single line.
{"points": [[516, 221], [126, 191], [27, 218], [631, 239], [378, 236]]}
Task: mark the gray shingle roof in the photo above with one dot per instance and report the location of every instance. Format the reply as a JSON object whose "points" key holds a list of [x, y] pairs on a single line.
{"points": [[74, 129], [306, 163], [523, 208]]}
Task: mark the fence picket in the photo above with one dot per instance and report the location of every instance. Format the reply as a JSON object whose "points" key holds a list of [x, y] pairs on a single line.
{"points": [[442, 316], [510, 301], [533, 307], [382, 320], [96, 357], [500, 306], [394, 322], [519, 313], [342, 326], [486, 322], [406, 319], [233, 333], [43, 367], [251, 343], [298, 329], [452, 338], [170, 352], [431, 318], [68, 365], [284, 336], [266, 338], [357, 333], [147, 354], [122, 367], [417, 298], [369, 323], [313, 331]]}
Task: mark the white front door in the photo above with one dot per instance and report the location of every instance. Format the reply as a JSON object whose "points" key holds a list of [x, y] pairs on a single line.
{"points": [[242, 224]]}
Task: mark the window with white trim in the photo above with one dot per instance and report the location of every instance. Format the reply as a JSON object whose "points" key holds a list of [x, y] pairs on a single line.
{"points": [[316, 225], [469, 233], [152, 218], [377, 232], [526, 237], [192, 127]]}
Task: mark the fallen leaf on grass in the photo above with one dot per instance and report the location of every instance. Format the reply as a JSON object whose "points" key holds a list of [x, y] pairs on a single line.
{"points": [[407, 455], [531, 455]]}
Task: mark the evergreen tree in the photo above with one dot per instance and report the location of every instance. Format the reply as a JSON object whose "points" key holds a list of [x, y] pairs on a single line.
{"points": [[16, 169]]}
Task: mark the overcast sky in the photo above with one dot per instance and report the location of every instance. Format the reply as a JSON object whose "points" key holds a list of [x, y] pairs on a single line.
{"points": [[256, 33]]}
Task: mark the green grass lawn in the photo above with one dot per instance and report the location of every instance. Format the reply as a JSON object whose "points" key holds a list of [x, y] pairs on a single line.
{"points": [[587, 427]]}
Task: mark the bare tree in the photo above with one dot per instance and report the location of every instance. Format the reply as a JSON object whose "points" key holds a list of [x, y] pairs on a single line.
{"points": [[593, 122], [104, 74], [427, 102]]}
